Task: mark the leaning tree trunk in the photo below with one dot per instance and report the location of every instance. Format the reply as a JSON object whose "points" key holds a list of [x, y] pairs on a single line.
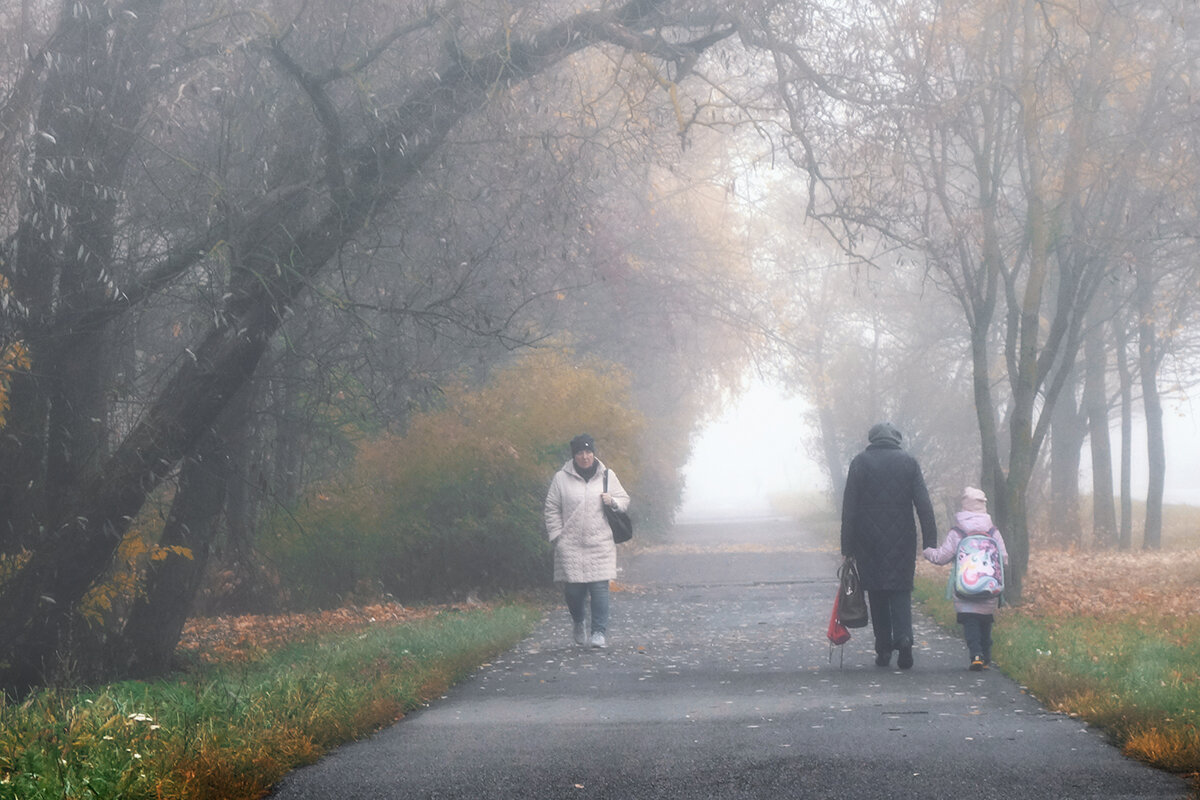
{"points": [[38, 602], [147, 643]]}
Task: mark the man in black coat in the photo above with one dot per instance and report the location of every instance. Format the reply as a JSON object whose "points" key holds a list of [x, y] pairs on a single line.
{"points": [[883, 486]]}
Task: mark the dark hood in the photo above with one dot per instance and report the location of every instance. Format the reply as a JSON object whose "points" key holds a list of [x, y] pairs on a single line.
{"points": [[884, 434]]}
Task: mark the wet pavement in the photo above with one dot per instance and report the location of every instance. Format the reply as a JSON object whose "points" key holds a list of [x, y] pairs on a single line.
{"points": [[718, 682]]}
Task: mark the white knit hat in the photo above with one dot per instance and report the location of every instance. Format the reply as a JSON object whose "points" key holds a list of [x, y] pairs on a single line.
{"points": [[973, 500]]}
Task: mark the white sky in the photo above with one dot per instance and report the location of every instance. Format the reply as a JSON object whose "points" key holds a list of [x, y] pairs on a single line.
{"points": [[755, 449], [751, 451]]}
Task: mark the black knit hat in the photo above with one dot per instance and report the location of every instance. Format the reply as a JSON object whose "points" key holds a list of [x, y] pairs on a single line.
{"points": [[583, 441]]}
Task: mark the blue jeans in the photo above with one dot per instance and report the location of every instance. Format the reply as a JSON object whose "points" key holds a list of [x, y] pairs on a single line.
{"points": [[577, 593], [891, 619]]}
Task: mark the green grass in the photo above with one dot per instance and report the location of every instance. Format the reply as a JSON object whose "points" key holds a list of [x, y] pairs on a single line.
{"points": [[1136, 677], [231, 731]]}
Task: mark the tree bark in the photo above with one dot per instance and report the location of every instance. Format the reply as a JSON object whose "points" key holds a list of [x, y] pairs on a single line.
{"points": [[148, 640], [91, 103], [1125, 537], [833, 457], [1152, 406], [1068, 429], [147, 643], [1104, 518]]}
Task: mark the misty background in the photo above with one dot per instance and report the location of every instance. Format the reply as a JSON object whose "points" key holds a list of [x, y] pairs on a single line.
{"points": [[756, 449]]}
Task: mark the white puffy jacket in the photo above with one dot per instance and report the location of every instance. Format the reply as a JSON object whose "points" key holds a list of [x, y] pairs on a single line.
{"points": [[583, 547]]}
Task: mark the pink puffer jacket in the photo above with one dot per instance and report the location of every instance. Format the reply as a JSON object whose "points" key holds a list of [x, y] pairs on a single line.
{"points": [[969, 522]]}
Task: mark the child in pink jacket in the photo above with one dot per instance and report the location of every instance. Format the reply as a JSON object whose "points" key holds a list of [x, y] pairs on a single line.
{"points": [[975, 615]]}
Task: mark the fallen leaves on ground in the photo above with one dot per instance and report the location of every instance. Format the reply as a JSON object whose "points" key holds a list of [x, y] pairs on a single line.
{"points": [[1103, 583], [238, 638]]}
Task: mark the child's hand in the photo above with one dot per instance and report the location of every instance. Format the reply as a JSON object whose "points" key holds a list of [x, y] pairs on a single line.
{"points": [[928, 553]]}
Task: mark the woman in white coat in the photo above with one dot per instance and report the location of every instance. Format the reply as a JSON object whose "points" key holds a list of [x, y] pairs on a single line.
{"points": [[585, 557]]}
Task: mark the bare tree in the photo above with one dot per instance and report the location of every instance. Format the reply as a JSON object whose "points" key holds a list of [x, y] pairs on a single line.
{"points": [[973, 139]]}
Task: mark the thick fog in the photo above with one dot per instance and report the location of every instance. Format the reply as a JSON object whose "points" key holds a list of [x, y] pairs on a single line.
{"points": [[758, 448], [755, 449]]}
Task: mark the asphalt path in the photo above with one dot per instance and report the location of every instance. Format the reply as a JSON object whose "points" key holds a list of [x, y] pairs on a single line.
{"points": [[718, 682]]}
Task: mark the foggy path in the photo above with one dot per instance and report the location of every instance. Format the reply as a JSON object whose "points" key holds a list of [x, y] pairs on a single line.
{"points": [[718, 683]]}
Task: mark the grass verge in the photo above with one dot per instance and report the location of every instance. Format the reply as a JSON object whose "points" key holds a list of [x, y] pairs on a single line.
{"points": [[232, 730], [1133, 674]]}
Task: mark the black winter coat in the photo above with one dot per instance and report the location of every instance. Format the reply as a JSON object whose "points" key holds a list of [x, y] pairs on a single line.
{"points": [[883, 486]]}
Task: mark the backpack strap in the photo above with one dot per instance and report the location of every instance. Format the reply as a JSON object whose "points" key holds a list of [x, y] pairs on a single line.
{"points": [[992, 531]]}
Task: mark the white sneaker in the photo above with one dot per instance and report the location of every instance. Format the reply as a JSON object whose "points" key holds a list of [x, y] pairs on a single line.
{"points": [[580, 634], [598, 640]]}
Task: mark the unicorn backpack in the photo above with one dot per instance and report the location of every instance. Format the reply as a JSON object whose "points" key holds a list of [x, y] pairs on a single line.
{"points": [[978, 568]]}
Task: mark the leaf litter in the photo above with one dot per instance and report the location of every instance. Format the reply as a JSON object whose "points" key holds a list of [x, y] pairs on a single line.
{"points": [[248, 636]]}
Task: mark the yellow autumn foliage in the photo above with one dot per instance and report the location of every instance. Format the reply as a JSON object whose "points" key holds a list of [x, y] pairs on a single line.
{"points": [[111, 596], [13, 358], [454, 503], [523, 419]]}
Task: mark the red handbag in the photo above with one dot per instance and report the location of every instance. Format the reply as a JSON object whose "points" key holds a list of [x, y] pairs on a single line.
{"points": [[837, 633]]}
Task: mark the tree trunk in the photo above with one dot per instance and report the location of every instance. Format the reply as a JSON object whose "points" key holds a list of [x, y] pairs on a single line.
{"points": [[1068, 429], [149, 638], [156, 621], [38, 602], [1152, 405], [288, 460], [91, 103], [832, 453], [1095, 398], [1125, 537]]}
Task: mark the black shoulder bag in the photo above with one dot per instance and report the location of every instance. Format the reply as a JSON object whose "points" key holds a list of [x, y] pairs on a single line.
{"points": [[852, 600], [618, 521]]}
